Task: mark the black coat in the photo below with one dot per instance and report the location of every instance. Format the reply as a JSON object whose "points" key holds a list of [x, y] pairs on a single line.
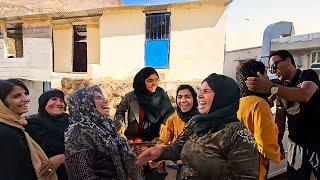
{"points": [[15, 159], [48, 132]]}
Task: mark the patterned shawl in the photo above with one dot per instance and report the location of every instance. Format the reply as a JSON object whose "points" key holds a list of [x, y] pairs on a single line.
{"points": [[83, 113]]}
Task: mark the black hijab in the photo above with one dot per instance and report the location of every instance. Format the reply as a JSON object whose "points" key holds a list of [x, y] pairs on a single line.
{"points": [[186, 116], [225, 105], [47, 130], [157, 106], [45, 97]]}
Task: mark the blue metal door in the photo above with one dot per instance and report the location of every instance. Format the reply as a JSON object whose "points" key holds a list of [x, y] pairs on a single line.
{"points": [[157, 40]]}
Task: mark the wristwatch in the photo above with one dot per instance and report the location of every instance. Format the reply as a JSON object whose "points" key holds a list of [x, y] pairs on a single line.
{"points": [[274, 89]]}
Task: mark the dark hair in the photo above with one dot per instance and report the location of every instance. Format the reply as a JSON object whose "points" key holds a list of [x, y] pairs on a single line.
{"points": [[193, 93], [20, 83], [139, 79], [6, 88], [247, 69], [283, 54], [46, 96]]}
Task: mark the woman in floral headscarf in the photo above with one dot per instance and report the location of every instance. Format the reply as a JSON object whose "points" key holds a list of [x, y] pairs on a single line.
{"points": [[94, 150]]}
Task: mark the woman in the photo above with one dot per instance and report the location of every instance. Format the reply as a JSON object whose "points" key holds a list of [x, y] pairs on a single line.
{"points": [[187, 107], [21, 157], [148, 106], [47, 129], [94, 149], [255, 113], [214, 145]]}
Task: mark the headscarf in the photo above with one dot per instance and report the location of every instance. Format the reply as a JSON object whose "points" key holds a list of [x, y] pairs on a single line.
{"points": [[247, 69], [46, 96], [49, 130], [83, 113], [49, 124], [186, 116], [157, 106], [224, 108], [37, 155]]}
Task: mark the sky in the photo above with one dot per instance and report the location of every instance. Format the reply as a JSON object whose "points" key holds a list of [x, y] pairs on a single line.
{"points": [[247, 19]]}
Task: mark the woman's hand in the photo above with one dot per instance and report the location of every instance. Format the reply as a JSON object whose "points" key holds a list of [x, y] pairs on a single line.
{"points": [[51, 165], [149, 154]]}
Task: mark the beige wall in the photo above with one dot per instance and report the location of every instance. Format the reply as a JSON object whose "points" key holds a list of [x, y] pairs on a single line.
{"points": [[93, 44], [122, 44], [232, 59], [196, 44], [62, 43], [36, 89]]}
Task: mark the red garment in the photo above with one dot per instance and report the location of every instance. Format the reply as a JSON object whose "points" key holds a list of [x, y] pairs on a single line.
{"points": [[141, 120]]}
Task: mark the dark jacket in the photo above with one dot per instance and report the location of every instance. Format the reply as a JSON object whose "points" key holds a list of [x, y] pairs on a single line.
{"points": [[127, 116], [229, 153], [15, 159], [48, 132]]}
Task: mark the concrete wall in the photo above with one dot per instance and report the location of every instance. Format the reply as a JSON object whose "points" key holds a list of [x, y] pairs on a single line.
{"points": [[93, 44], [196, 44], [122, 44], [232, 59], [36, 63], [62, 43], [36, 89]]}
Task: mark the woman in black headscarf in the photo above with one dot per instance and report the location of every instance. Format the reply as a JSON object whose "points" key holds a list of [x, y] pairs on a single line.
{"points": [[214, 144], [148, 106], [47, 129], [187, 107]]}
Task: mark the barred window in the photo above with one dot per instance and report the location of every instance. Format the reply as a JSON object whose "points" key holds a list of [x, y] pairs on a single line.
{"points": [[157, 26]]}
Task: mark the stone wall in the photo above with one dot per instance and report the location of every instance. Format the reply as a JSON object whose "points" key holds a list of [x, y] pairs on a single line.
{"points": [[114, 90]]}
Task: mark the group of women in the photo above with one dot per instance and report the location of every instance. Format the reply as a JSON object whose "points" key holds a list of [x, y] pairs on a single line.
{"points": [[203, 134]]}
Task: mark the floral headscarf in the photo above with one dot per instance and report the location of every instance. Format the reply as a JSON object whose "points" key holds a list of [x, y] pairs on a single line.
{"points": [[83, 113]]}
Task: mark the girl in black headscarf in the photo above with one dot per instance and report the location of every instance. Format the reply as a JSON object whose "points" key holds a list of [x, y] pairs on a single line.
{"points": [[187, 107], [148, 106], [214, 144], [47, 129]]}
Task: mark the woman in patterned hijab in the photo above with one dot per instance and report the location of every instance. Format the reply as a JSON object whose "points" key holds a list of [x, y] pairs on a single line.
{"points": [[94, 149]]}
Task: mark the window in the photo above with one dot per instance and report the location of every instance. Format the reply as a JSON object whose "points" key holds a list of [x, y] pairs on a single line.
{"points": [[14, 40], [315, 61], [157, 40], [79, 48], [157, 26]]}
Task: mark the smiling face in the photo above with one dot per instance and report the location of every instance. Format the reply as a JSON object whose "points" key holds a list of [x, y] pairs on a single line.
{"points": [[205, 98], [17, 100], [185, 100], [55, 106], [279, 67], [152, 83], [101, 104]]}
